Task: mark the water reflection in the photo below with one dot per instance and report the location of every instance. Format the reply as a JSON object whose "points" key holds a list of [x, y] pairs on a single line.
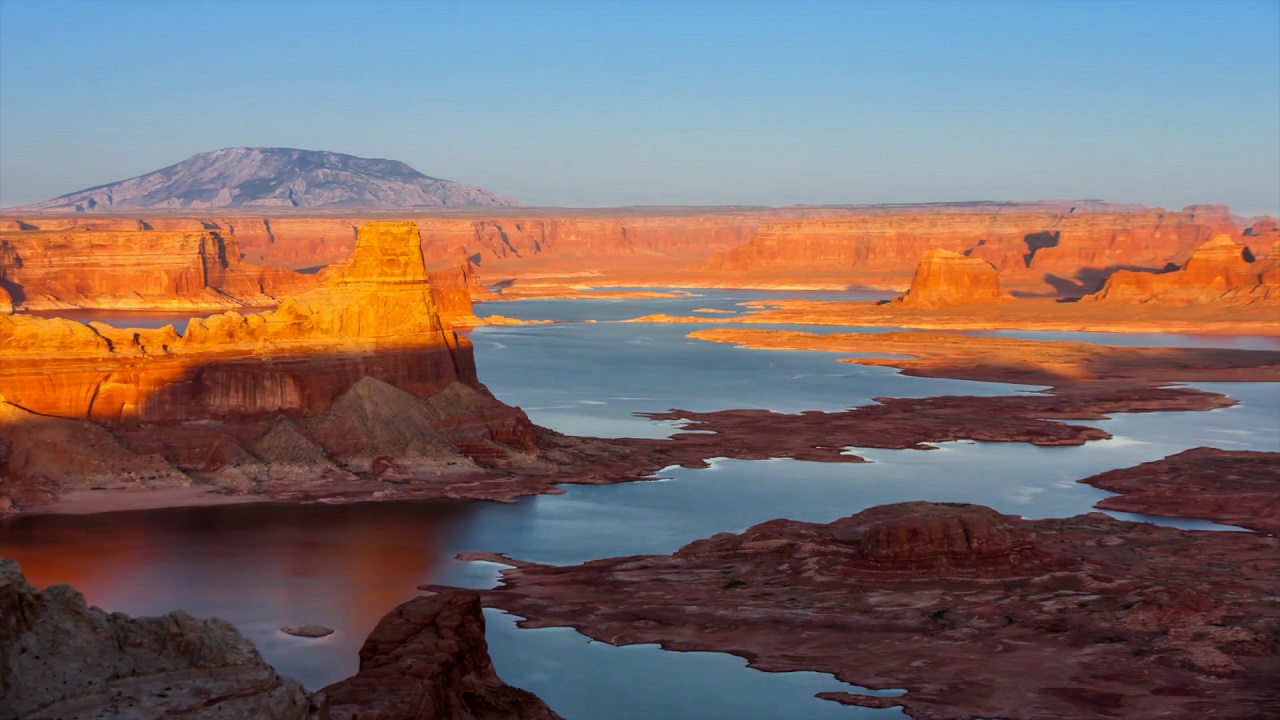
{"points": [[259, 566]]}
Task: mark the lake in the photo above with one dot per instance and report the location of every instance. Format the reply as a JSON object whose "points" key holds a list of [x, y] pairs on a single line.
{"points": [[264, 566]]}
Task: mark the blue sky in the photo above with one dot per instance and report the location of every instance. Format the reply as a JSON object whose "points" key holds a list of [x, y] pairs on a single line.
{"points": [[649, 102]]}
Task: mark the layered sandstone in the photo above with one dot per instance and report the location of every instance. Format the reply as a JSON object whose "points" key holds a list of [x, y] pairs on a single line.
{"points": [[137, 269], [428, 659], [278, 402], [61, 659], [946, 278], [974, 613], [1067, 253], [1221, 271]]}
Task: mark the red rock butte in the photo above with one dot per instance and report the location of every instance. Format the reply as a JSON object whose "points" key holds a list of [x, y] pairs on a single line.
{"points": [[360, 368], [1221, 271], [945, 278]]}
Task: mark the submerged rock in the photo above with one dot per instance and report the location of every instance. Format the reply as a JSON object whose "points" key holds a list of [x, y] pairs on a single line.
{"points": [[307, 631]]}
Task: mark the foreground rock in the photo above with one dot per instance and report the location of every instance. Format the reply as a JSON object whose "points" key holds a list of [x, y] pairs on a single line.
{"points": [[974, 613], [1236, 487], [428, 659], [63, 660]]}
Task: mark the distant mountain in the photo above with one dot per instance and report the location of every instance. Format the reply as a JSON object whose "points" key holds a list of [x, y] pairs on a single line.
{"points": [[275, 178]]}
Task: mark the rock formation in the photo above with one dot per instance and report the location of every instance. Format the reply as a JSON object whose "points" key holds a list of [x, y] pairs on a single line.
{"points": [[1063, 253], [63, 660], [60, 659], [946, 278], [974, 613], [428, 659], [1221, 271], [1236, 487], [1040, 248], [273, 178], [270, 402], [137, 269]]}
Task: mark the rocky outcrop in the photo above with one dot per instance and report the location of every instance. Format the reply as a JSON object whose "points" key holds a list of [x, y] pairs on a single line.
{"points": [[973, 613], [60, 659], [428, 659], [277, 402], [946, 278], [274, 178], [1221, 271], [6, 301], [1236, 487], [137, 269], [63, 660]]}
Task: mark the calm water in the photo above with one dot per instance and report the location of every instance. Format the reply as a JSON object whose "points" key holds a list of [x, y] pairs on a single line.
{"points": [[265, 566]]}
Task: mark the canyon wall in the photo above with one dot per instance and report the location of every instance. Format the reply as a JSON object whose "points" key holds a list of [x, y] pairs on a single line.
{"points": [[1045, 253], [137, 269], [1221, 271], [361, 368], [1047, 248]]}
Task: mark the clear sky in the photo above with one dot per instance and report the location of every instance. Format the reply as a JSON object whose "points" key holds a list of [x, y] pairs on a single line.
{"points": [[597, 103]]}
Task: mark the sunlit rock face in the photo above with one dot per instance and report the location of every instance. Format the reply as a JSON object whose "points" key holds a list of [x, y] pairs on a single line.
{"points": [[261, 401], [298, 357], [288, 178], [194, 269], [1221, 271], [1068, 252], [946, 278]]}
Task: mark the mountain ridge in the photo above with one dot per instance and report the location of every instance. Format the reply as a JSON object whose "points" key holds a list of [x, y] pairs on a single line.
{"points": [[275, 178]]}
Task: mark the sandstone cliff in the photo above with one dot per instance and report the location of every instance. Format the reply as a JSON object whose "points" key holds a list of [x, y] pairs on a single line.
{"points": [[1221, 271], [276, 402], [946, 278], [137, 269], [1036, 252]]}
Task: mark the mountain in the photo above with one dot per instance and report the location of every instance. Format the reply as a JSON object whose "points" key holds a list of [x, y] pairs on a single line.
{"points": [[275, 178]]}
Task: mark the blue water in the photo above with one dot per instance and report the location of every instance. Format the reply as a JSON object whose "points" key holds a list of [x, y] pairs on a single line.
{"points": [[265, 566]]}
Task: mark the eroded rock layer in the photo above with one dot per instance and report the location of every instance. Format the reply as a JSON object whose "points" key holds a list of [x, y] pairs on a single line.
{"points": [[277, 402], [946, 278], [974, 613], [1222, 271], [1063, 253], [194, 269]]}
